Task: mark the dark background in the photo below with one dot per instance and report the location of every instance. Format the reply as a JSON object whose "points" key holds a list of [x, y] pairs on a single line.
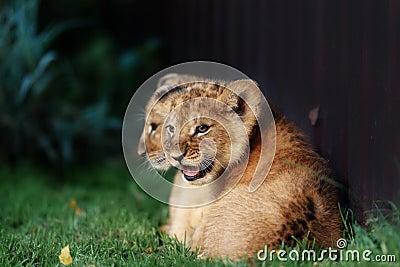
{"points": [[340, 55]]}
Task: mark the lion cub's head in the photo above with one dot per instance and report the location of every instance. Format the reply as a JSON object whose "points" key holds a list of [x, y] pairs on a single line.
{"points": [[202, 127]]}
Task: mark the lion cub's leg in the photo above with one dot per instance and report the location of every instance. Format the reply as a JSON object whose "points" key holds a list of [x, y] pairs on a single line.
{"points": [[183, 221], [180, 224]]}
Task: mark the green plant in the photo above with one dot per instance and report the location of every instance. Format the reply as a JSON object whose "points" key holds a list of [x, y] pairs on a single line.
{"points": [[26, 73], [60, 110]]}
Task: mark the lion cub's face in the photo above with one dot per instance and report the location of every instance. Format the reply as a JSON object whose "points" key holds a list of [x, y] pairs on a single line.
{"points": [[197, 144], [202, 128]]}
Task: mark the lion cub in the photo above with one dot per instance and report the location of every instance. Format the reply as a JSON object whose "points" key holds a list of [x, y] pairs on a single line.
{"points": [[295, 201]]}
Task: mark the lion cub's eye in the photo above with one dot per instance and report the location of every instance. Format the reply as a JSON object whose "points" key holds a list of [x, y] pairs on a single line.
{"points": [[170, 129], [152, 127], [202, 128]]}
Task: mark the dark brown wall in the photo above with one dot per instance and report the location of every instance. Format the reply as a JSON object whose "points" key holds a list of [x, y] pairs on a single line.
{"points": [[341, 55]]}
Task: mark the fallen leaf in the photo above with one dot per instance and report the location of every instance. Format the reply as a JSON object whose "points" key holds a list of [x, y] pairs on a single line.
{"points": [[65, 256], [73, 203], [313, 115], [149, 250]]}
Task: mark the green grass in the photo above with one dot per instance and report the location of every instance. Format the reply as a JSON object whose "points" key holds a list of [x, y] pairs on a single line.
{"points": [[119, 224]]}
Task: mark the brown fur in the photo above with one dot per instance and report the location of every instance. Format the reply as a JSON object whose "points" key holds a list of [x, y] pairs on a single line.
{"points": [[295, 200]]}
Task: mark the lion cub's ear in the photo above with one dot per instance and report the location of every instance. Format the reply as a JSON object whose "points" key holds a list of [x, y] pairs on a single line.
{"points": [[244, 97], [174, 79], [168, 79], [244, 92]]}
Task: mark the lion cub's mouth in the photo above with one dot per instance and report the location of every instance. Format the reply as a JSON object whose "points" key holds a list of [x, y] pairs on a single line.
{"points": [[192, 175]]}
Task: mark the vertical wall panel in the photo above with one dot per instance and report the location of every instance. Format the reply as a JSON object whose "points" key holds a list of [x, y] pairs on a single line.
{"points": [[343, 55]]}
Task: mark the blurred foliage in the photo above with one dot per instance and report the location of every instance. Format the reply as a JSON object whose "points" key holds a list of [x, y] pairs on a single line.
{"points": [[63, 110]]}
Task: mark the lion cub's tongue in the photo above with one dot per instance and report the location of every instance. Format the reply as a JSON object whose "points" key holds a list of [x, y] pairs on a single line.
{"points": [[190, 173]]}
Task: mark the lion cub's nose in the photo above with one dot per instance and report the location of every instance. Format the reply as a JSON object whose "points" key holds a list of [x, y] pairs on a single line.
{"points": [[179, 157]]}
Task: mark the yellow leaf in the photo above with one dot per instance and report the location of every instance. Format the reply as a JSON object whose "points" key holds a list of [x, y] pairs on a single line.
{"points": [[72, 203], [65, 256]]}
